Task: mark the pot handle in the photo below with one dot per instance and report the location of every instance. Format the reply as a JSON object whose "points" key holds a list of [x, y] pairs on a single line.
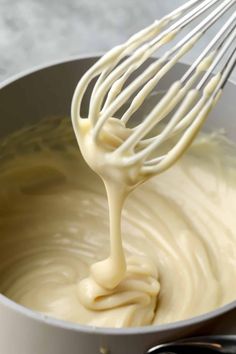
{"points": [[208, 344]]}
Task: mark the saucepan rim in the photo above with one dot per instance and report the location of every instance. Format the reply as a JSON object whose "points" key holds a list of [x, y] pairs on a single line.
{"points": [[93, 329]]}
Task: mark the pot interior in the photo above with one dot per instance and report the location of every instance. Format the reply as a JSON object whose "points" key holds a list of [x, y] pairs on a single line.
{"points": [[48, 92]]}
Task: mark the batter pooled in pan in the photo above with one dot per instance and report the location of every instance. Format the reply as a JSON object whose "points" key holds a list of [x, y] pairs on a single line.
{"points": [[178, 233]]}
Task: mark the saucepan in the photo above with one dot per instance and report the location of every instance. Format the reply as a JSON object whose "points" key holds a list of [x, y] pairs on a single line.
{"points": [[47, 92]]}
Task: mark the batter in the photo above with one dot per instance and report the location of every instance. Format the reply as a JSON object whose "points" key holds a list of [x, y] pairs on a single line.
{"points": [[178, 233], [113, 150]]}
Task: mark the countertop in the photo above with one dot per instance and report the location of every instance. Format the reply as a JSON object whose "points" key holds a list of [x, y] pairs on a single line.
{"points": [[34, 32]]}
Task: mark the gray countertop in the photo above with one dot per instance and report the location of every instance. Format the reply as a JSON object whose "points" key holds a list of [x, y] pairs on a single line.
{"points": [[34, 32]]}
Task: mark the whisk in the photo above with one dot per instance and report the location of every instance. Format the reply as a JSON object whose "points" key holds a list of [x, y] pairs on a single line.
{"points": [[122, 78]]}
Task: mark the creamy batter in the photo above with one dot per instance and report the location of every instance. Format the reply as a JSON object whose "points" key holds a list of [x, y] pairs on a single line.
{"points": [[178, 233], [125, 157]]}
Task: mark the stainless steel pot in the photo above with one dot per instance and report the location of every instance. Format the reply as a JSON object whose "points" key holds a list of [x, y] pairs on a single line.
{"points": [[47, 92]]}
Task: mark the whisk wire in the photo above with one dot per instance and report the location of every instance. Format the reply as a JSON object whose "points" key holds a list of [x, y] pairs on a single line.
{"points": [[227, 43], [127, 92], [221, 35], [188, 100]]}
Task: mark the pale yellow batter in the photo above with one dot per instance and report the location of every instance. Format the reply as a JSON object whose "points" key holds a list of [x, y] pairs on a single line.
{"points": [[178, 233], [125, 156]]}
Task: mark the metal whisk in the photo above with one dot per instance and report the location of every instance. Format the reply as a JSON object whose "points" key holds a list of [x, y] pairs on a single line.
{"points": [[185, 105]]}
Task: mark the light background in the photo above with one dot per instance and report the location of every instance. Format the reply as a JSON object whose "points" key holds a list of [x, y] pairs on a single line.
{"points": [[34, 32]]}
